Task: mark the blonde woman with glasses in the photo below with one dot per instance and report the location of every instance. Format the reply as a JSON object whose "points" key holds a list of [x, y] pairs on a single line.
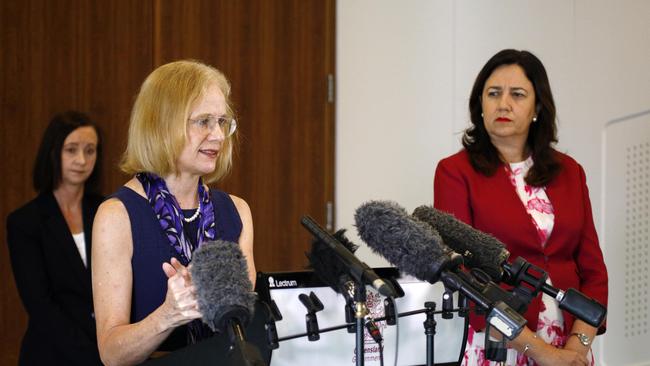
{"points": [[181, 136]]}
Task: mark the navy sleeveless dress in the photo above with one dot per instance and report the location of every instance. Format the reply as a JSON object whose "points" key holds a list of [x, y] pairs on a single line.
{"points": [[151, 248]]}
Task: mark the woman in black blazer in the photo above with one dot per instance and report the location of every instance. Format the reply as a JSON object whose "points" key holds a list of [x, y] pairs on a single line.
{"points": [[49, 245]]}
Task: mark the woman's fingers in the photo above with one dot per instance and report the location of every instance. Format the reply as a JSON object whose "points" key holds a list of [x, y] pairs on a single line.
{"points": [[173, 267], [181, 293], [168, 269], [184, 272], [176, 264]]}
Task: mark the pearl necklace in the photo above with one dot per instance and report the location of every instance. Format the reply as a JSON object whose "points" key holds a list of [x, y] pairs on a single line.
{"points": [[195, 215]]}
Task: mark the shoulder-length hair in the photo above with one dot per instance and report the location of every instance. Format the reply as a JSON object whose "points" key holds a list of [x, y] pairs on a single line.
{"points": [[157, 130], [542, 134], [46, 176]]}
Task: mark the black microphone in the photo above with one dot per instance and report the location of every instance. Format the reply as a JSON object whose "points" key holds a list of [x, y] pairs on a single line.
{"points": [[487, 253], [357, 269], [329, 268], [224, 294], [334, 272], [416, 249]]}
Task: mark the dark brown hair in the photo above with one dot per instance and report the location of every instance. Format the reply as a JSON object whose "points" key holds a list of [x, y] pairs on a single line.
{"points": [[47, 167], [542, 134]]}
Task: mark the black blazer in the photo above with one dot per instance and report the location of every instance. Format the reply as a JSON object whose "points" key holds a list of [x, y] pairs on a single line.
{"points": [[53, 283]]}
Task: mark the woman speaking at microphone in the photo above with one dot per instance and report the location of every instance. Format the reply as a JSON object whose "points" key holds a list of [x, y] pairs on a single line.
{"points": [[181, 137], [509, 181]]}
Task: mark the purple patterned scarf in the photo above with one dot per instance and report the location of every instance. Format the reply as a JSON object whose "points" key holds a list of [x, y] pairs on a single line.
{"points": [[170, 216]]}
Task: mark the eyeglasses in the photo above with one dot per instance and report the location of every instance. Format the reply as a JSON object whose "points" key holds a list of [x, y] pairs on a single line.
{"points": [[207, 123]]}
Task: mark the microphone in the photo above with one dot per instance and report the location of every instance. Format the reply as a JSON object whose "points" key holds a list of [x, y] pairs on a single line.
{"points": [[487, 253], [329, 268], [479, 250], [357, 269], [416, 249], [224, 294], [411, 245], [333, 272]]}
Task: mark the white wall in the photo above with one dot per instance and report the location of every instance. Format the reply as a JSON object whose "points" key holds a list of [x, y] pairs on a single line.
{"points": [[405, 69]]}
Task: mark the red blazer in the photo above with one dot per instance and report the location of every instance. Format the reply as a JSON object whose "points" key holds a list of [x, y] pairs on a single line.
{"points": [[572, 256]]}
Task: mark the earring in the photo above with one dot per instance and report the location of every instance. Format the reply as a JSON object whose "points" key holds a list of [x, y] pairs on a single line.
{"points": [[535, 119], [481, 114]]}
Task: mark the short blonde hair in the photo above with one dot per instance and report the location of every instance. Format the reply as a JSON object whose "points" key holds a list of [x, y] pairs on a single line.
{"points": [[157, 130]]}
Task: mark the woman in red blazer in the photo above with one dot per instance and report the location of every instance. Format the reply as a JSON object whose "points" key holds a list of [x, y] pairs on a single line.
{"points": [[508, 181]]}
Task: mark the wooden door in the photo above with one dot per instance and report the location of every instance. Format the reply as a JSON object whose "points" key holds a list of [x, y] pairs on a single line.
{"points": [[60, 55]]}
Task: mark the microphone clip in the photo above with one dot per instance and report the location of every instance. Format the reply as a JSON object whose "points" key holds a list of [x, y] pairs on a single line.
{"points": [[273, 315], [389, 311], [430, 322], [447, 304], [349, 316], [528, 279], [313, 305], [463, 305]]}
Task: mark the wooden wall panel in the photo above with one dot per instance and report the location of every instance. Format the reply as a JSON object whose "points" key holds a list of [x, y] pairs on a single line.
{"points": [[93, 56], [277, 55], [90, 56]]}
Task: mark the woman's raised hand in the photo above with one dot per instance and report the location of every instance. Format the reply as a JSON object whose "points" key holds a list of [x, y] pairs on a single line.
{"points": [[180, 306]]}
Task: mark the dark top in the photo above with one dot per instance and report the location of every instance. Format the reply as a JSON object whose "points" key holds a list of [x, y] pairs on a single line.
{"points": [[151, 247], [53, 283]]}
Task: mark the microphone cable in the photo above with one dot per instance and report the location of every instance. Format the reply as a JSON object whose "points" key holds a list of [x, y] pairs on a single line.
{"points": [[394, 301], [389, 321], [375, 333]]}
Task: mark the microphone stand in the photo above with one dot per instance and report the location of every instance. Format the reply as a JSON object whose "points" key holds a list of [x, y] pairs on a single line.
{"points": [[360, 314], [242, 353], [383, 318], [361, 311], [430, 329]]}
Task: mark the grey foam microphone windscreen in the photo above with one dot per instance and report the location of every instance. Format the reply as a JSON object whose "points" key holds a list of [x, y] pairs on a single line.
{"points": [[417, 249], [413, 246], [479, 250], [484, 251], [220, 276]]}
